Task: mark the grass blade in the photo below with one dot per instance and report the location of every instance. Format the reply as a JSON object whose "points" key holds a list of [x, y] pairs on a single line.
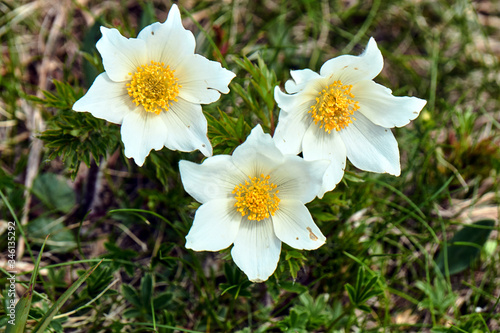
{"points": [[24, 304], [22, 310], [45, 321]]}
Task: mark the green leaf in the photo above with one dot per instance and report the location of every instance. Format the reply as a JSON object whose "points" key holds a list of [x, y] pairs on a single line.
{"points": [[226, 287], [75, 135], [370, 294], [351, 293], [296, 260], [226, 132], [235, 286], [61, 238], [22, 310], [258, 96], [231, 273], [131, 295], [366, 288], [293, 287], [23, 305], [99, 281], [161, 301], [132, 313], [465, 246], [298, 320], [359, 282], [294, 268], [365, 308], [294, 254], [124, 257], [47, 318], [438, 296], [146, 290], [54, 192]]}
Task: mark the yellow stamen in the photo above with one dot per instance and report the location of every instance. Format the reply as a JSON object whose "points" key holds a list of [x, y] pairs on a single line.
{"points": [[256, 198], [334, 107], [154, 87]]}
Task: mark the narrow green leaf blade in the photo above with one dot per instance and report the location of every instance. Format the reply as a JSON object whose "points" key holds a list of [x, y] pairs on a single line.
{"points": [[23, 306], [21, 312], [351, 293], [47, 318], [146, 290], [359, 281]]}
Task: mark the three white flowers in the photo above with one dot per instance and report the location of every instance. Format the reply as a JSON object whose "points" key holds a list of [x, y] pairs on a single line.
{"points": [[153, 86]]}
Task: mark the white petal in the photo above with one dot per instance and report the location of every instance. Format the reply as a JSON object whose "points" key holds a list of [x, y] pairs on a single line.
{"points": [[292, 125], [333, 175], [256, 249], [301, 100], [168, 42], [215, 226], [294, 226], [300, 79], [186, 128], [256, 164], [298, 179], [106, 99], [201, 79], [319, 145], [120, 55], [371, 147], [378, 104], [141, 132], [258, 154], [351, 69], [215, 178], [295, 103]]}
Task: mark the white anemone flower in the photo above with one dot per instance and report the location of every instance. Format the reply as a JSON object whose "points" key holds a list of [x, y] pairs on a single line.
{"points": [[153, 86], [341, 112], [255, 200]]}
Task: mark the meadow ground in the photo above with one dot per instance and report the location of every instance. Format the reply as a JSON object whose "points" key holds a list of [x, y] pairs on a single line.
{"points": [[414, 253]]}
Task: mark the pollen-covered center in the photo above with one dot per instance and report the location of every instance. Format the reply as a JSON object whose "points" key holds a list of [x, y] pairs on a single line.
{"points": [[154, 87], [334, 107], [257, 198]]}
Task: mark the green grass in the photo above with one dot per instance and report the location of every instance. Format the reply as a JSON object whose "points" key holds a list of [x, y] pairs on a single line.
{"points": [[386, 236]]}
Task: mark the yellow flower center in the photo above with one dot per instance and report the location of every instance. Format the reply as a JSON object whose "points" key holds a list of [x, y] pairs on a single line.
{"points": [[334, 107], [256, 198], [154, 87]]}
